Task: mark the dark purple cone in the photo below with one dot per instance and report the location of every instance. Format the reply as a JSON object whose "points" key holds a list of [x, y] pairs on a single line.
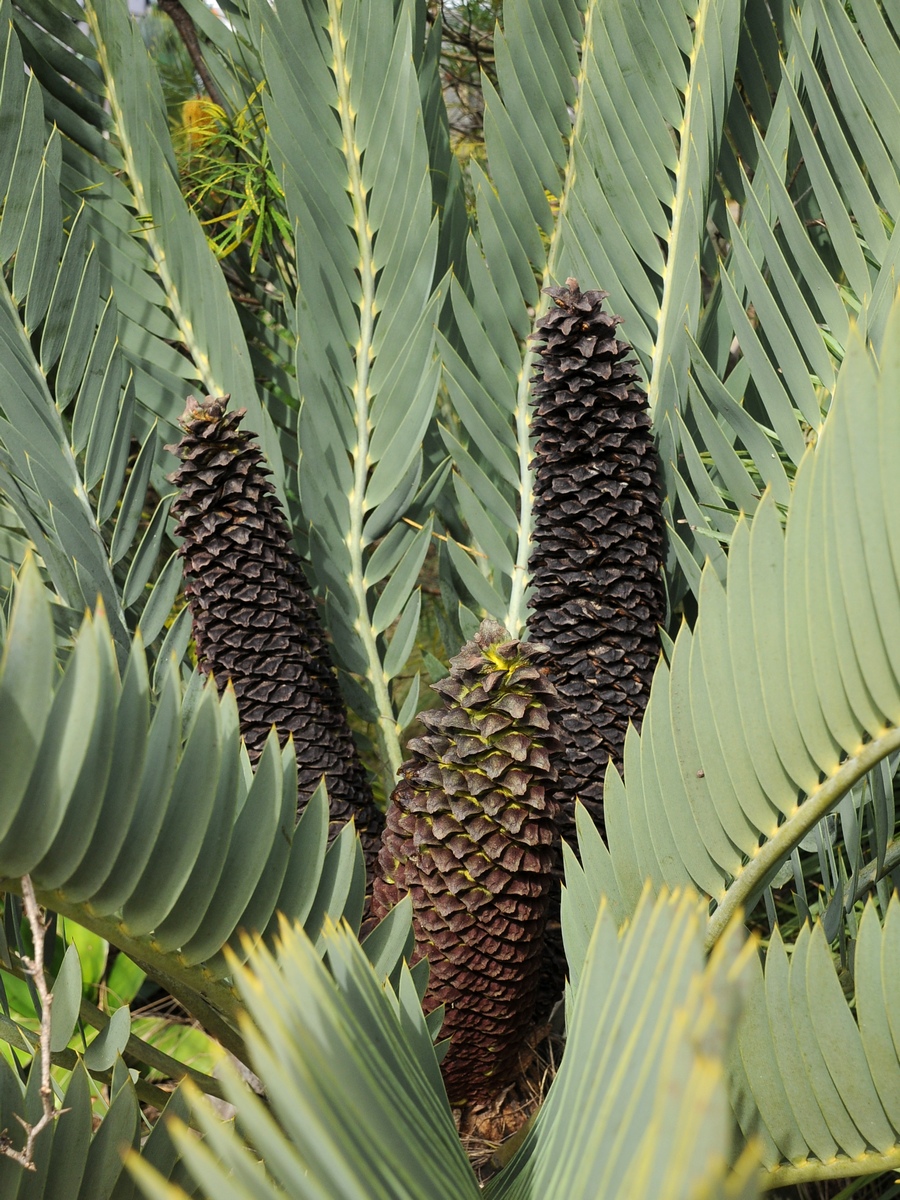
{"points": [[599, 540], [469, 836], [254, 617]]}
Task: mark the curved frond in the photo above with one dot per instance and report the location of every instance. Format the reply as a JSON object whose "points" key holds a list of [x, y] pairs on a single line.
{"points": [[809, 240], [73, 94], [602, 152], [119, 163], [656, 86], [657, 80], [69, 405], [356, 1104], [150, 828], [357, 1109], [528, 131], [786, 692], [643, 1067], [816, 1084], [348, 137], [813, 1079]]}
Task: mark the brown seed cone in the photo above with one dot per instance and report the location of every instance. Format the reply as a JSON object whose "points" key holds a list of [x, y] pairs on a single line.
{"points": [[254, 616], [469, 836], [599, 540]]}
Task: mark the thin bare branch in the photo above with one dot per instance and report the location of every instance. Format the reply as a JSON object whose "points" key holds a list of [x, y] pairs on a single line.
{"points": [[35, 968], [188, 33]]}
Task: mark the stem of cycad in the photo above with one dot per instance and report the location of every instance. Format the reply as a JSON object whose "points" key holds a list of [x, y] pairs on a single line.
{"points": [[198, 355], [388, 732], [517, 610], [792, 832], [682, 205]]}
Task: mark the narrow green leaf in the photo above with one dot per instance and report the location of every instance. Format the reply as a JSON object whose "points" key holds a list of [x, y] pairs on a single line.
{"points": [[65, 291], [301, 880], [28, 142], [843, 237], [75, 836], [410, 708], [71, 1139], [578, 913], [388, 553], [37, 255], [395, 504], [779, 404], [335, 882], [26, 673], [78, 340], [489, 538], [779, 335], [133, 500], [59, 761], [479, 481], [181, 834], [117, 457], [391, 940], [118, 1131], [184, 919], [759, 1091], [400, 452], [66, 1001], [174, 645], [106, 415], [12, 95], [251, 841], [263, 903], [483, 593], [400, 584], [712, 759], [129, 851], [757, 733], [147, 553], [110, 1042], [122, 785], [404, 636], [158, 1150], [828, 1099], [102, 374], [159, 604]]}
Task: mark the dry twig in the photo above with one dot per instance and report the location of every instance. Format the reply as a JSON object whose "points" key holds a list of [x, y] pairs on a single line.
{"points": [[182, 21], [35, 968]]}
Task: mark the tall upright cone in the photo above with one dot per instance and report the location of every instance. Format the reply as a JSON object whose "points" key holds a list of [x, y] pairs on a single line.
{"points": [[254, 617], [599, 539], [469, 837]]}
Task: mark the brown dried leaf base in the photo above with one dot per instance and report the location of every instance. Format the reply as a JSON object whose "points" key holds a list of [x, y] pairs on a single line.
{"points": [[492, 1131]]}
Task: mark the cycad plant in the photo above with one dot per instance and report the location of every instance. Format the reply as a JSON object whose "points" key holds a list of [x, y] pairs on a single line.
{"points": [[730, 175]]}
